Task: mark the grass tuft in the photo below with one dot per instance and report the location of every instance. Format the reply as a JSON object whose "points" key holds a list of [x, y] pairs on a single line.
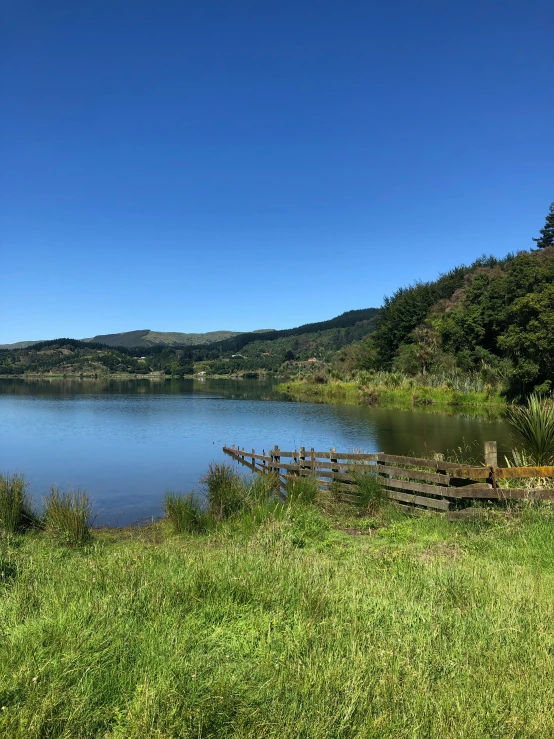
{"points": [[226, 490], [67, 516], [185, 512], [15, 509], [302, 490], [372, 496]]}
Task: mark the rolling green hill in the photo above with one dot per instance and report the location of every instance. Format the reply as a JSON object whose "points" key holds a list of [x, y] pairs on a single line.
{"points": [[147, 338]]}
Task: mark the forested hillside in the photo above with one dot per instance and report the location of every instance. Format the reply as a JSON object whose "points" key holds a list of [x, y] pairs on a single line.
{"points": [[495, 317], [267, 351]]}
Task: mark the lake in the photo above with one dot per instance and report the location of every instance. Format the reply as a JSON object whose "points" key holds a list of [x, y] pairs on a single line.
{"points": [[128, 441]]}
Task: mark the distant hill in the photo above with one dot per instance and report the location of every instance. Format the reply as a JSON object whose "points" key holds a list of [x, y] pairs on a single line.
{"points": [[147, 338], [20, 344]]}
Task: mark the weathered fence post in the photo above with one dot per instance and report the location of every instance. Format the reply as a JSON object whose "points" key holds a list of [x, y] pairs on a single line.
{"points": [[491, 454], [491, 460], [301, 460], [333, 458], [277, 459], [313, 461]]}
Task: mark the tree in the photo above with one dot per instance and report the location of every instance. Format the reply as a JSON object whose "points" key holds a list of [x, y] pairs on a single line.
{"points": [[547, 233]]}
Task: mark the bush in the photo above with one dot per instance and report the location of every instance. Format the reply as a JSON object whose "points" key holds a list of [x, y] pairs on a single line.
{"points": [[185, 512], [67, 516], [533, 426], [227, 491], [302, 489], [15, 509]]}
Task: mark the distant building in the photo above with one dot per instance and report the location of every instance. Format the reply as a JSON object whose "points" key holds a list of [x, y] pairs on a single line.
{"points": [[201, 374], [312, 359]]}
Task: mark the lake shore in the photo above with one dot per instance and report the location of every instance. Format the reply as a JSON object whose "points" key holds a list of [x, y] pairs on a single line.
{"points": [[402, 398]]}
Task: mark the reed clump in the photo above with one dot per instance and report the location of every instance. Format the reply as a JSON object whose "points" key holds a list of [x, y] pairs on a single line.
{"points": [[15, 508], [186, 513], [371, 495], [226, 490], [68, 516]]}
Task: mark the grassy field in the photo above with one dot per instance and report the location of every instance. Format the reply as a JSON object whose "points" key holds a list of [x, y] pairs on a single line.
{"points": [[403, 397], [298, 621]]}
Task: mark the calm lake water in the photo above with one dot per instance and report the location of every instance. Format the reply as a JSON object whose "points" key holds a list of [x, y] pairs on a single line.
{"points": [[128, 441]]}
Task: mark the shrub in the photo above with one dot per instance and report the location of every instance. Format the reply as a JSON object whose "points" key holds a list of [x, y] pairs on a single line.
{"points": [[67, 516], [227, 492], [302, 489], [15, 509], [185, 512], [372, 496], [533, 426]]}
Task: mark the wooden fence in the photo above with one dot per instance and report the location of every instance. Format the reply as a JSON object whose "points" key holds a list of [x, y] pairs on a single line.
{"points": [[429, 483]]}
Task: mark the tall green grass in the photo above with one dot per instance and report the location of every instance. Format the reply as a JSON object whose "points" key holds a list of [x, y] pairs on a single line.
{"points": [[423, 628], [301, 490], [186, 512], [67, 516], [15, 508], [371, 496], [225, 490]]}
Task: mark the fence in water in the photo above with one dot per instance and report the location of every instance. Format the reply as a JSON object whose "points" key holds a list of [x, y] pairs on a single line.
{"points": [[429, 483]]}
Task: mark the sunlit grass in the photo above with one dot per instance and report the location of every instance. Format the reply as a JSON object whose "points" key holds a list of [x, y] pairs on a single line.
{"points": [[283, 625]]}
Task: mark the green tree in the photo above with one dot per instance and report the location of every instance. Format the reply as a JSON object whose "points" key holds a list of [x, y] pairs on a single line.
{"points": [[547, 233]]}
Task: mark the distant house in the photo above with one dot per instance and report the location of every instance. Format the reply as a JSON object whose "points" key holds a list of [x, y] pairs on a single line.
{"points": [[312, 359], [201, 374], [267, 354]]}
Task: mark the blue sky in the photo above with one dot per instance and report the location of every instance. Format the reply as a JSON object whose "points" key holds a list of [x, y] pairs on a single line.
{"points": [[203, 165]]}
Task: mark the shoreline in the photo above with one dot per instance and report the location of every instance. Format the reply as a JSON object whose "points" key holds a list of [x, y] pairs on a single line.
{"points": [[439, 400]]}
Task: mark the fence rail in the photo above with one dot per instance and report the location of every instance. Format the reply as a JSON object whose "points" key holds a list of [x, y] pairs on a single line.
{"points": [[428, 483]]}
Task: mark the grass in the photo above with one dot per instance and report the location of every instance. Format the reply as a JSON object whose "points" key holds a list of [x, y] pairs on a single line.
{"points": [[283, 626], [15, 507], [67, 516], [395, 390], [225, 490], [186, 513]]}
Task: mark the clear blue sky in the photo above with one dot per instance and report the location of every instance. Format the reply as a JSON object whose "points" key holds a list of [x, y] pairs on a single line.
{"points": [[195, 165]]}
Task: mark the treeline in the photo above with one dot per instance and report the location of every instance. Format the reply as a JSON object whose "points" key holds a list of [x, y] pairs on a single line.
{"points": [[495, 317]]}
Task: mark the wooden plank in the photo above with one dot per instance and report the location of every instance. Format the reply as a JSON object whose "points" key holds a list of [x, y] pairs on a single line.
{"points": [[419, 487], [454, 469], [440, 505], [336, 455], [413, 474], [513, 473], [250, 455], [346, 465], [504, 493]]}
